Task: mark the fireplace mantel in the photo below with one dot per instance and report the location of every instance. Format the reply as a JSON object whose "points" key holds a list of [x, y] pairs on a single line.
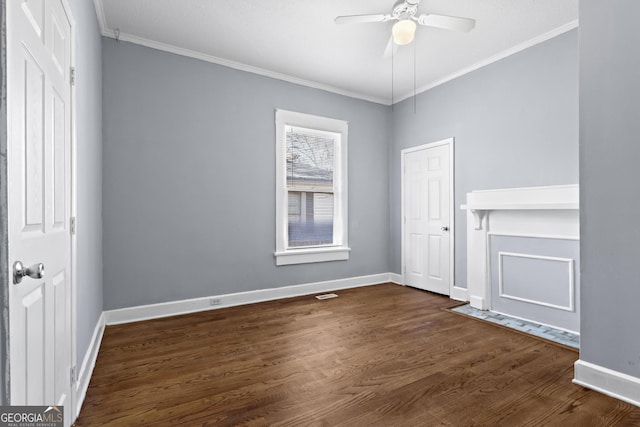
{"points": [[557, 197], [550, 212]]}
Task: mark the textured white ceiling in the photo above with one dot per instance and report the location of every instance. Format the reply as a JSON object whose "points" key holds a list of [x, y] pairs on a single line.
{"points": [[297, 40]]}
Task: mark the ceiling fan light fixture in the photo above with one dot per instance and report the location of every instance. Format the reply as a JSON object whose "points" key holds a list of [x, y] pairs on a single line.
{"points": [[403, 31]]}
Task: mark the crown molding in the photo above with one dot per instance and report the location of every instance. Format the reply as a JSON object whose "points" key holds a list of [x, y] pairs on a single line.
{"points": [[121, 36], [102, 20], [495, 58]]}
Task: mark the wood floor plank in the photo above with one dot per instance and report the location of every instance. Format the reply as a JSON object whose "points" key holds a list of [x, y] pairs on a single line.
{"points": [[381, 355]]}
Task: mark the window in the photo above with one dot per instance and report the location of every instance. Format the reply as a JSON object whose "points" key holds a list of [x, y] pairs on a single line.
{"points": [[311, 188]]}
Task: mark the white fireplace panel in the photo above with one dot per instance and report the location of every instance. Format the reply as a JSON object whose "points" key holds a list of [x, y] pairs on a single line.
{"points": [[545, 281], [536, 278]]}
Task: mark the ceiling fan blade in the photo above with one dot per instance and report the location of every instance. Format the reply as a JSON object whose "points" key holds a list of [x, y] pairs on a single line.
{"points": [[454, 23], [391, 48], [359, 19]]}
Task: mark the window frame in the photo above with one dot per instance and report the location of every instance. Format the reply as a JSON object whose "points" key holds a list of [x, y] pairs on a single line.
{"points": [[339, 250]]}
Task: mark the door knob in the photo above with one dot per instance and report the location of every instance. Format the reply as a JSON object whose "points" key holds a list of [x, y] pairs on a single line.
{"points": [[444, 228], [36, 271]]}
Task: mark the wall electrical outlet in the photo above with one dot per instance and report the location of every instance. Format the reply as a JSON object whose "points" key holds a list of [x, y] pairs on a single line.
{"points": [[215, 301]]}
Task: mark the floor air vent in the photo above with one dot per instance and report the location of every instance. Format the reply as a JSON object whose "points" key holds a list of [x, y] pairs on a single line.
{"points": [[326, 296]]}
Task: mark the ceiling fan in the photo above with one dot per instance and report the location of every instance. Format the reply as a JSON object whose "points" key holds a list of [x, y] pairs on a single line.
{"points": [[405, 12]]}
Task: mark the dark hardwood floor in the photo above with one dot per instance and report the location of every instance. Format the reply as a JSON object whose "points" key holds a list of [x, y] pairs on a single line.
{"points": [[381, 355]]}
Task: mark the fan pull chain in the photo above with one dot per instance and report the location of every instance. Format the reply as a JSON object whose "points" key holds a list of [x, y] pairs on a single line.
{"points": [[415, 42], [392, 60]]}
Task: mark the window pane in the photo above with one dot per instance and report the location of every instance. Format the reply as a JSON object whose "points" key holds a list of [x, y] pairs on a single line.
{"points": [[310, 219], [295, 205], [309, 159]]}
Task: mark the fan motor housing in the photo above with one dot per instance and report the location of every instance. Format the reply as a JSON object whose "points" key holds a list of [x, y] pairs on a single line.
{"points": [[405, 9]]}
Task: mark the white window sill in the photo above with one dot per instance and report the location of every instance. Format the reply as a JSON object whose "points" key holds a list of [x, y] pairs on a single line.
{"points": [[302, 256]]}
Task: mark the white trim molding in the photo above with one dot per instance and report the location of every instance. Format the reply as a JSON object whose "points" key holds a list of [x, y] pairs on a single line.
{"points": [[292, 256], [607, 381], [459, 294], [571, 280], [553, 197], [173, 308], [396, 278], [88, 364], [535, 236]]}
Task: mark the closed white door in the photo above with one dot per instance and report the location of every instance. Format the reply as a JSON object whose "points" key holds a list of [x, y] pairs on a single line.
{"points": [[427, 227], [39, 182]]}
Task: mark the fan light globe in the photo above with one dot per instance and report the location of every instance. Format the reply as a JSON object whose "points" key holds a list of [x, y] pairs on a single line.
{"points": [[403, 31]]}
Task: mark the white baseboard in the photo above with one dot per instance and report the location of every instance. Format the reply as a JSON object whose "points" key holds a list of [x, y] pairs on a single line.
{"points": [[459, 294], [154, 311], [607, 381], [88, 363], [478, 302], [396, 278]]}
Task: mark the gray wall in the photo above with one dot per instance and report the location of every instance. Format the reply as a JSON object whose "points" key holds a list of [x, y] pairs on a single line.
{"points": [[189, 179], [4, 261], [89, 172], [515, 124], [610, 183]]}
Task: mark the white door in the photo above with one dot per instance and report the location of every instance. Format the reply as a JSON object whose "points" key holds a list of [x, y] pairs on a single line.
{"points": [[39, 182], [427, 236]]}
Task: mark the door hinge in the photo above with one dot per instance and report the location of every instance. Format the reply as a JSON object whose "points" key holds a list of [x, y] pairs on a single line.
{"points": [[72, 225], [74, 374], [72, 76]]}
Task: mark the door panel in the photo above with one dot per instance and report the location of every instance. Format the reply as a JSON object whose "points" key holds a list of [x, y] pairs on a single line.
{"points": [[434, 194], [34, 142], [415, 211], [416, 258], [32, 314], [426, 192], [62, 349], [34, 13], [59, 164], [435, 257]]}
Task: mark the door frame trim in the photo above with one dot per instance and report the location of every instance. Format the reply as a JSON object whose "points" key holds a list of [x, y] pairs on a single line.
{"points": [[5, 374], [73, 214], [452, 217]]}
